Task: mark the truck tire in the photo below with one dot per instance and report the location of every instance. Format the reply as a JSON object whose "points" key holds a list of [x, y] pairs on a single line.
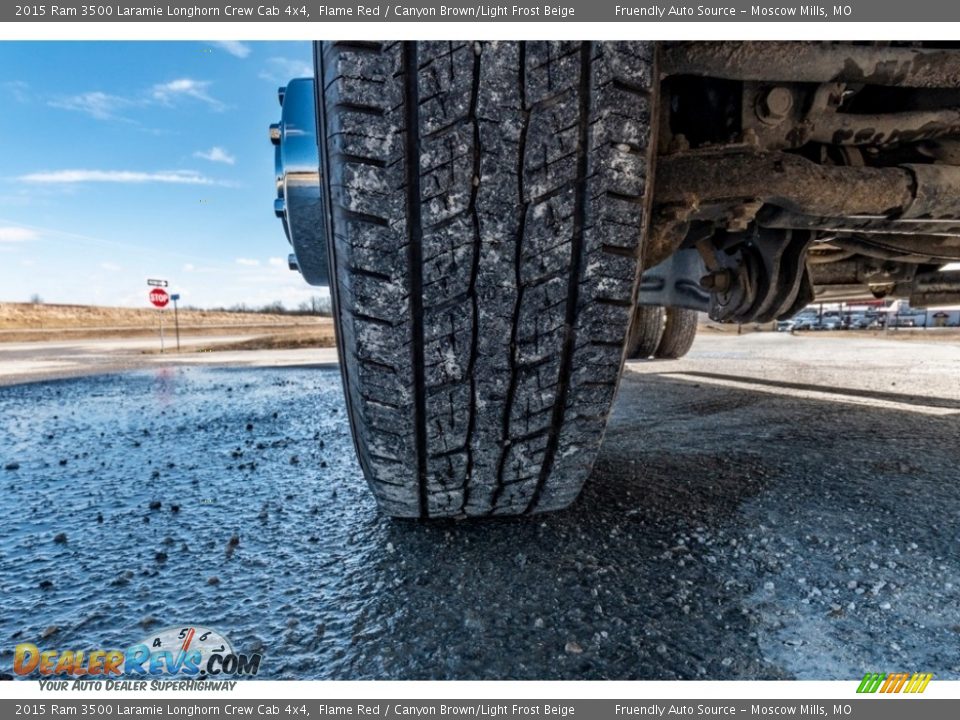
{"points": [[646, 332], [679, 332], [485, 205]]}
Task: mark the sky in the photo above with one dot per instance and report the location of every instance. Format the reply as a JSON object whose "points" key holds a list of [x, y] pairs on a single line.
{"points": [[121, 161]]}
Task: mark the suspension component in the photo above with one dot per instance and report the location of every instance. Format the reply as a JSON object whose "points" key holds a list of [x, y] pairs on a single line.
{"points": [[814, 62], [759, 277]]}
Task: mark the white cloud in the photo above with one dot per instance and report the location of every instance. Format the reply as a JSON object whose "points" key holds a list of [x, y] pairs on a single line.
{"points": [[167, 93], [19, 89], [110, 267], [105, 106], [176, 177], [234, 47], [247, 262], [99, 105], [278, 262], [216, 154], [17, 234], [189, 267], [281, 69]]}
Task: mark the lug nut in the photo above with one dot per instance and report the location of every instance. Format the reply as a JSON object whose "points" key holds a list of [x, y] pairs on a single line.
{"points": [[281, 91], [776, 104], [717, 281], [279, 207], [293, 262], [275, 133]]}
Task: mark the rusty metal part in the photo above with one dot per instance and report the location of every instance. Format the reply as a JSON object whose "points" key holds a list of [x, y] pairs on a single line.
{"points": [[820, 254], [775, 105], [856, 291], [805, 296], [702, 181], [664, 239], [782, 277], [863, 271], [937, 288], [761, 279], [776, 117], [905, 248], [881, 277], [880, 129], [717, 281], [873, 224], [671, 227], [784, 180], [937, 193], [814, 62], [852, 129], [944, 150]]}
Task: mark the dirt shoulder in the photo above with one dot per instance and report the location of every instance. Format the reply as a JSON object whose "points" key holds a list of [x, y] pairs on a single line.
{"points": [[279, 339]]}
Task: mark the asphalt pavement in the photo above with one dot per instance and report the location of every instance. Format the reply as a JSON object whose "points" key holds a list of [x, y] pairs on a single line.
{"points": [[771, 506]]}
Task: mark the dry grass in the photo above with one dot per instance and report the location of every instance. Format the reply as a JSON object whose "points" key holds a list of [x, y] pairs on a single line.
{"points": [[23, 322], [301, 338]]}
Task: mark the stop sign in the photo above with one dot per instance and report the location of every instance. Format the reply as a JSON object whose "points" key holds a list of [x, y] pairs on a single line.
{"points": [[159, 297]]}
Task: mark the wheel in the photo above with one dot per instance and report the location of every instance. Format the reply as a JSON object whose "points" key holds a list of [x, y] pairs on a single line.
{"points": [[485, 204], [679, 332], [646, 332]]}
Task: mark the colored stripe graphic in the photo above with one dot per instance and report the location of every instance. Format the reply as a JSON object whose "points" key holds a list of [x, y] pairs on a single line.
{"points": [[870, 683], [922, 682], [891, 683]]}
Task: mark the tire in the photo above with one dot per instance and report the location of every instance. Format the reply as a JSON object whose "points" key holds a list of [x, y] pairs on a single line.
{"points": [[485, 204], [646, 332], [679, 332]]}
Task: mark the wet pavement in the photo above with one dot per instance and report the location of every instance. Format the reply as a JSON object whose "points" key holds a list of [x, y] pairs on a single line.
{"points": [[22, 362], [755, 513]]}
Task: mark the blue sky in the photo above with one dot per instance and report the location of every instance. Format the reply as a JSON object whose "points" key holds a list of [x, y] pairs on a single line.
{"points": [[122, 161]]}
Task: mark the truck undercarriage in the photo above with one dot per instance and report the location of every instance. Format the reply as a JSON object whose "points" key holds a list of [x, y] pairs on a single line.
{"points": [[502, 225], [792, 171]]}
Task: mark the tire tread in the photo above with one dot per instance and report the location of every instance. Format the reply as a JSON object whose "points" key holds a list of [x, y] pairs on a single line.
{"points": [[679, 332], [486, 207]]}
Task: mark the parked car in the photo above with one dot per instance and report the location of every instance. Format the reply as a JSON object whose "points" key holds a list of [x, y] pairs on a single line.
{"points": [[902, 322]]}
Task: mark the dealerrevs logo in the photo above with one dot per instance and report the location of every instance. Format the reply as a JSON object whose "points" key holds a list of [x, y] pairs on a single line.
{"points": [[192, 651]]}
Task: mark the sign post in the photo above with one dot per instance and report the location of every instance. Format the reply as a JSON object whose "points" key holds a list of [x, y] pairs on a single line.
{"points": [[176, 317], [159, 297]]}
